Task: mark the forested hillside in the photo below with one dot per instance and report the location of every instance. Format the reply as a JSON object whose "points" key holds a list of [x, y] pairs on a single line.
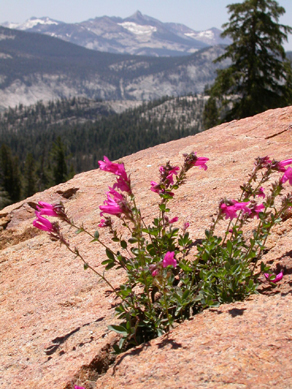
{"points": [[47, 143]]}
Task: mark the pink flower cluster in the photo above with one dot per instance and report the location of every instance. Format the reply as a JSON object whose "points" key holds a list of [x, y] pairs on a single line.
{"points": [[116, 203], [287, 176], [230, 210], [41, 222], [280, 167], [113, 205], [168, 172], [123, 181]]}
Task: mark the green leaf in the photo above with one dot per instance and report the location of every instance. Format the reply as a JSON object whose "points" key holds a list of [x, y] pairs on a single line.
{"points": [[109, 266], [109, 254], [119, 329], [85, 266], [123, 244], [79, 231], [106, 261], [133, 240], [96, 235]]}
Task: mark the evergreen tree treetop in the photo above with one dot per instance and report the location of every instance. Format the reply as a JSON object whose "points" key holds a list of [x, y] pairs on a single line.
{"points": [[259, 77]]}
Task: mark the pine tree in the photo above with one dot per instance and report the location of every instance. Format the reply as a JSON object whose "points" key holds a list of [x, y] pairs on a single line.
{"points": [[10, 173], [210, 114], [29, 176], [259, 77], [59, 162]]}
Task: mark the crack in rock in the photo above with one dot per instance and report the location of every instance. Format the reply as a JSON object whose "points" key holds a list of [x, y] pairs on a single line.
{"points": [[69, 193], [57, 342], [279, 133]]}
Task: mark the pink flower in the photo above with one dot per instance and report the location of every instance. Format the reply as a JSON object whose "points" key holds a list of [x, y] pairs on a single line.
{"points": [[175, 219], [108, 166], [281, 165], [112, 204], [192, 160], [46, 209], [287, 176], [102, 223], [123, 181], [155, 187], [242, 207], [186, 225], [171, 172], [261, 192], [230, 210], [263, 162], [169, 259], [155, 273], [111, 207], [276, 279], [256, 210], [116, 195], [42, 223], [123, 185], [201, 162], [79, 387], [167, 172]]}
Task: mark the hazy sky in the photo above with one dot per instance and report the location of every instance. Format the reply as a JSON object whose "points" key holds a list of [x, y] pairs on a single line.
{"points": [[196, 14]]}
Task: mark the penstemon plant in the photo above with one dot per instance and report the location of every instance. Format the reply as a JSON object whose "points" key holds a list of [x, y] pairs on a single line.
{"points": [[166, 284]]}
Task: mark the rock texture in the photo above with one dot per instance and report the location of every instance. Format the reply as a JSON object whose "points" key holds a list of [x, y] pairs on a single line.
{"points": [[53, 332]]}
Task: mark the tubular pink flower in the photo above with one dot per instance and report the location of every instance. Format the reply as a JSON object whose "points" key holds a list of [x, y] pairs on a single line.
{"points": [[111, 207], [201, 162], [281, 165], [173, 220], [173, 171], [79, 387], [276, 279], [102, 223], [287, 176], [263, 162], [229, 211], [123, 185], [242, 207], [42, 223], [261, 192], [169, 260], [256, 210], [155, 273], [116, 195], [123, 181], [155, 187], [108, 166], [46, 209]]}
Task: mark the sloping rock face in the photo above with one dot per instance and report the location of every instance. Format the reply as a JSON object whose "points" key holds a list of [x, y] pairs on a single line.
{"points": [[53, 332]]}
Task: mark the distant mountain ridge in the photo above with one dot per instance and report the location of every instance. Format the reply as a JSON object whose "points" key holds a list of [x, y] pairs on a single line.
{"points": [[138, 35], [37, 67]]}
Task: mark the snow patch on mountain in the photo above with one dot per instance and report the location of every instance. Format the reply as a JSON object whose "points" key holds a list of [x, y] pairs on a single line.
{"points": [[208, 34], [138, 29], [30, 23]]}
